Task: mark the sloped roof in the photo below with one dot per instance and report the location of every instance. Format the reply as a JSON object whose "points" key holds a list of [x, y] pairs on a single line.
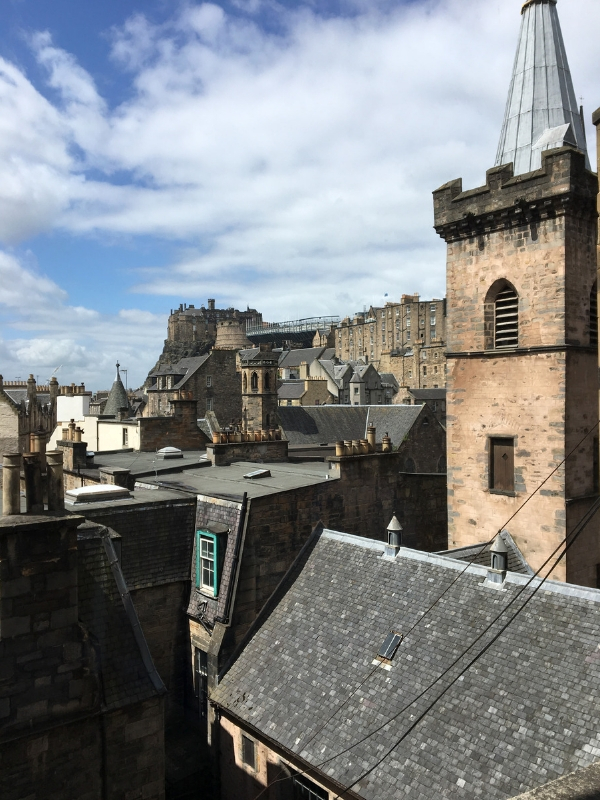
{"points": [[389, 378], [428, 394], [117, 398], [128, 674], [305, 355], [333, 423], [184, 368], [541, 111], [523, 715], [19, 396], [480, 554], [291, 390]]}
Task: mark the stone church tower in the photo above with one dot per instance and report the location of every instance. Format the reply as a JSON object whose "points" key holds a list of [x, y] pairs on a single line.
{"points": [[259, 388], [522, 327]]}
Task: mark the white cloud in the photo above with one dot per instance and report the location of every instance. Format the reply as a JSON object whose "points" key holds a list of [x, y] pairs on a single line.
{"points": [[47, 332], [294, 169]]}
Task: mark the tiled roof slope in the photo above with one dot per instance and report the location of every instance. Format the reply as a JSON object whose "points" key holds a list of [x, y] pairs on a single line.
{"points": [[305, 355], [480, 554], [428, 394], [19, 396], [125, 678], [332, 423], [291, 390], [523, 715], [156, 539]]}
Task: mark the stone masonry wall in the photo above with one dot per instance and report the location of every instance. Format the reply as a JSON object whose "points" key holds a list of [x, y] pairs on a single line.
{"points": [[156, 551], [44, 655], [9, 427], [538, 232], [161, 611], [178, 430], [262, 452]]}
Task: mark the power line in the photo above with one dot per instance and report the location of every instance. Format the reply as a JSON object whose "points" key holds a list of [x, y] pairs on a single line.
{"points": [[577, 531], [424, 615]]}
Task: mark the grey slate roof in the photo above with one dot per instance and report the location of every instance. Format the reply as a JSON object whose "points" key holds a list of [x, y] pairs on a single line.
{"points": [[523, 715], [333, 423], [480, 554], [19, 396], [305, 355], [117, 398], [126, 678], [541, 111], [183, 369], [428, 394], [291, 390]]}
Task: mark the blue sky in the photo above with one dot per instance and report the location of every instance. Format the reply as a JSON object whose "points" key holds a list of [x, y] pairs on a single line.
{"points": [[273, 154]]}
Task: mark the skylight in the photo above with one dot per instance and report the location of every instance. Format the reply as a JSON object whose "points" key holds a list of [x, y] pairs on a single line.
{"points": [[390, 645]]}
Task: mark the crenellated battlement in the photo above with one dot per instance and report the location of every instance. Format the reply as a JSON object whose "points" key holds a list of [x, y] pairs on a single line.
{"points": [[563, 183]]}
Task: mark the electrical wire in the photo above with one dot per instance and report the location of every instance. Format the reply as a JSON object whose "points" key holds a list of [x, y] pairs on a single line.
{"points": [[575, 535], [428, 610]]}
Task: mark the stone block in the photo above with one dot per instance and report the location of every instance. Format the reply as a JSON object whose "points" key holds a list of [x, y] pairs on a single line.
{"points": [[15, 626], [63, 617]]}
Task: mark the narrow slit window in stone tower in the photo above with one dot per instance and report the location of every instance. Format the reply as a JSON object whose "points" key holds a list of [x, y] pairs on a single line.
{"points": [[506, 318]]}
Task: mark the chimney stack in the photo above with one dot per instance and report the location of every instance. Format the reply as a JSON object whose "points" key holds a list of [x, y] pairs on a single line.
{"points": [[11, 479], [56, 491], [34, 495]]}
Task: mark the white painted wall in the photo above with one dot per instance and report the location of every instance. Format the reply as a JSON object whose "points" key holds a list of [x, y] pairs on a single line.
{"points": [[75, 407]]}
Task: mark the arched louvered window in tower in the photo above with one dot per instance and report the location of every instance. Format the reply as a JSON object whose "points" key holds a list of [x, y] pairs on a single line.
{"points": [[267, 381], [594, 315], [254, 382], [506, 318]]}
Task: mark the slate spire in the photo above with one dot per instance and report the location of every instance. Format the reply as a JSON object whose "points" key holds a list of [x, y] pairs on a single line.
{"points": [[117, 398], [541, 112]]}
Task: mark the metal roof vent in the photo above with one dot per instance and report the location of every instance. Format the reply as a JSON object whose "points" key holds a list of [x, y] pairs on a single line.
{"points": [[170, 452], [394, 538], [499, 563]]}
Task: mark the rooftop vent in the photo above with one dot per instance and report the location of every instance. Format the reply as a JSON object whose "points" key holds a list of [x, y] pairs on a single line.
{"points": [[499, 563], [99, 493], [258, 473], [394, 538], [170, 452]]}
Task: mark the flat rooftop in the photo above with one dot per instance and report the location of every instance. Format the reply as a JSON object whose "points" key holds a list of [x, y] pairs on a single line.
{"points": [[142, 463], [230, 482]]}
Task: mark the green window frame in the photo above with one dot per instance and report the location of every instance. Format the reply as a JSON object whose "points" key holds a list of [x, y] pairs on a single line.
{"points": [[207, 561]]}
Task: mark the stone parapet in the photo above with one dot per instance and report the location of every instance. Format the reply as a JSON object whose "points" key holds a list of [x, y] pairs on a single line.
{"points": [[506, 201], [222, 455]]}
